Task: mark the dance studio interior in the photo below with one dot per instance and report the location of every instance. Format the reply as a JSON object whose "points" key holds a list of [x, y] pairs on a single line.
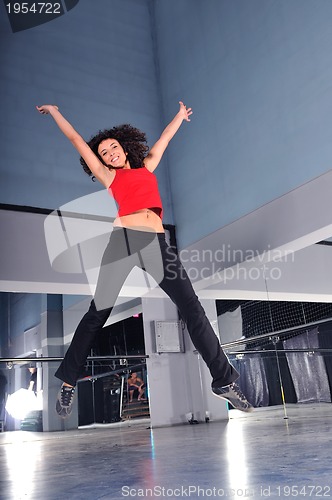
{"points": [[246, 187]]}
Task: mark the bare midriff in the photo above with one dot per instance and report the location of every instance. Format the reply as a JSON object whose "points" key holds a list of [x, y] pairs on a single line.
{"points": [[146, 219]]}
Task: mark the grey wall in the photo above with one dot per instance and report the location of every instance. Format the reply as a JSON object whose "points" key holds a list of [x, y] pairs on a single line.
{"points": [[97, 63], [18, 312], [258, 75], [3, 323]]}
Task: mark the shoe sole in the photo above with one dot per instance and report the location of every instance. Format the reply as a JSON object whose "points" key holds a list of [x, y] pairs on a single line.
{"points": [[247, 410], [62, 411]]}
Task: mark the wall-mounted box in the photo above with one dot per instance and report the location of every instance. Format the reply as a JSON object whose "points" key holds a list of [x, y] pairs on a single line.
{"points": [[169, 336]]}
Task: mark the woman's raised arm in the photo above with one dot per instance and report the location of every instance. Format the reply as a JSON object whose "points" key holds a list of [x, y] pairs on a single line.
{"points": [[156, 152], [100, 171]]}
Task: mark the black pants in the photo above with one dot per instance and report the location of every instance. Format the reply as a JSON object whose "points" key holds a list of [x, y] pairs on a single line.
{"points": [[149, 251]]}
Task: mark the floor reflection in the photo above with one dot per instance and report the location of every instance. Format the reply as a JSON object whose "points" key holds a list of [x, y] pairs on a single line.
{"points": [[22, 460], [237, 458], [251, 456]]}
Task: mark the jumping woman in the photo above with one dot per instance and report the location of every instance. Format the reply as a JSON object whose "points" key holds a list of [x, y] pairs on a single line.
{"points": [[120, 159]]}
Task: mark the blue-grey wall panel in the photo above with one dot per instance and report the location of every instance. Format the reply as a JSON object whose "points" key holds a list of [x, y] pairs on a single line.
{"points": [[258, 75], [24, 313], [97, 63]]}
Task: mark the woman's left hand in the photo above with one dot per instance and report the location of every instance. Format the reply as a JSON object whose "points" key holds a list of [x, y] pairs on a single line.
{"points": [[46, 108], [185, 112]]}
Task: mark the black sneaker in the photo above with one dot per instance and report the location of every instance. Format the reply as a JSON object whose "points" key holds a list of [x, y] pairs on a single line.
{"points": [[232, 393], [64, 401]]}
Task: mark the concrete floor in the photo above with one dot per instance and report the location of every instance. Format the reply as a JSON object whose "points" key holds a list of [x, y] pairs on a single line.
{"points": [[261, 455]]}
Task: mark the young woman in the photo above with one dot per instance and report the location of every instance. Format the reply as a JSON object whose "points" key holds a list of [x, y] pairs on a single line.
{"points": [[120, 159]]}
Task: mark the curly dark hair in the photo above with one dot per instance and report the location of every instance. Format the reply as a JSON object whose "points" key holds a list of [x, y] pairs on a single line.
{"points": [[132, 140]]}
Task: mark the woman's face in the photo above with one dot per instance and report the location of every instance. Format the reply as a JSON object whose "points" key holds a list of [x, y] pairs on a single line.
{"points": [[112, 154]]}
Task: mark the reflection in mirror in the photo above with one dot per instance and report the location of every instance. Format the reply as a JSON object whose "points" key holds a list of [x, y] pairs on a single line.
{"points": [[282, 350], [41, 326]]}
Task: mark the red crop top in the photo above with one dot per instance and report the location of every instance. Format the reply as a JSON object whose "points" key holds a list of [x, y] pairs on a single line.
{"points": [[134, 189]]}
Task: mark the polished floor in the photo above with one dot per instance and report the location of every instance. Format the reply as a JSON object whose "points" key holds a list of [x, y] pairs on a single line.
{"points": [[261, 455]]}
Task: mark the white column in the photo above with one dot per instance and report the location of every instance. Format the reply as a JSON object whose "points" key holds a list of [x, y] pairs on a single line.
{"points": [[213, 406], [53, 346], [179, 383]]}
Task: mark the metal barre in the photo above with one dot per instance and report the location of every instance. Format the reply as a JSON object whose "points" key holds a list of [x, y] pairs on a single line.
{"points": [[270, 335], [90, 358], [281, 351]]}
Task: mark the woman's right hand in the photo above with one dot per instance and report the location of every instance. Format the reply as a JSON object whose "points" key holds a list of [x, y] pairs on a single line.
{"points": [[98, 169], [46, 108]]}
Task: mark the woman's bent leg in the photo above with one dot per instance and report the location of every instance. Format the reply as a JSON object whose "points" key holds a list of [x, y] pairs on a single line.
{"points": [[118, 260], [78, 351], [160, 260], [178, 287]]}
